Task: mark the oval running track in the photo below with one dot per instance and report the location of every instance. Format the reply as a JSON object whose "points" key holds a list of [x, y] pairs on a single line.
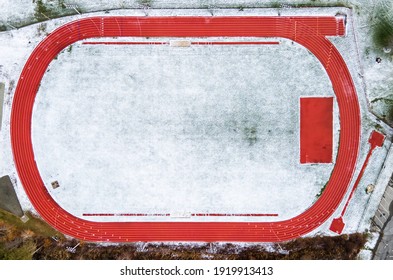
{"points": [[310, 32]]}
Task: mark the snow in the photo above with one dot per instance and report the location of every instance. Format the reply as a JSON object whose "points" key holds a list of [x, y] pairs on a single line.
{"points": [[366, 253], [15, 48], [74, 141], [14, 11]]}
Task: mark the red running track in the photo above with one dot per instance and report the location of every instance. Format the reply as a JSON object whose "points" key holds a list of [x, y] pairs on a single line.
{"points": [[307, 31]]}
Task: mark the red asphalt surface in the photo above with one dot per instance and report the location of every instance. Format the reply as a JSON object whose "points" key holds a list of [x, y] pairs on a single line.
{"points": [[307, 31], [316, 129]]}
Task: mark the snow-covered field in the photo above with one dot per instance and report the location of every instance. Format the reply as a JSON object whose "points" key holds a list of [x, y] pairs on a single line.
{"points": [[205, 129], [158, 129]]}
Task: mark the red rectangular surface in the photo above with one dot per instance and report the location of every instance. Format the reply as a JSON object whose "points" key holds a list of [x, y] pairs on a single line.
{"points": [[316, 129]]}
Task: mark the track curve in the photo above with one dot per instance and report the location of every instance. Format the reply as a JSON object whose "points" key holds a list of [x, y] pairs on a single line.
{"points": [[307, 31]]}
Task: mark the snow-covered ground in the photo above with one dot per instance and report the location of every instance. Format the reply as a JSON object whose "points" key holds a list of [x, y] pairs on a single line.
{"points": [[15, 12], [158, 129]]}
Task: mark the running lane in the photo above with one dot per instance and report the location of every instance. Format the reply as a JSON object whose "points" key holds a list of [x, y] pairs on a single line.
{"points": [[307, 31]]}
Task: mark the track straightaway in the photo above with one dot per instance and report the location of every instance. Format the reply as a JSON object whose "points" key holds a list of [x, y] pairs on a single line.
{"points": [[310, 32]]}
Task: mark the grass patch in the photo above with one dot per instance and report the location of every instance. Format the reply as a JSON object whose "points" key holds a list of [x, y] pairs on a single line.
{"points": [[23, 251], [20, 241], [324, 186], [387, 103], [34, 224], [388, 117], [382, 28], [40, 11], [383, 33], [322, 190], [48, 9], [314, 3], [41, 29], [276, 5], [145, 3], [306, 4], [250, 134]]}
